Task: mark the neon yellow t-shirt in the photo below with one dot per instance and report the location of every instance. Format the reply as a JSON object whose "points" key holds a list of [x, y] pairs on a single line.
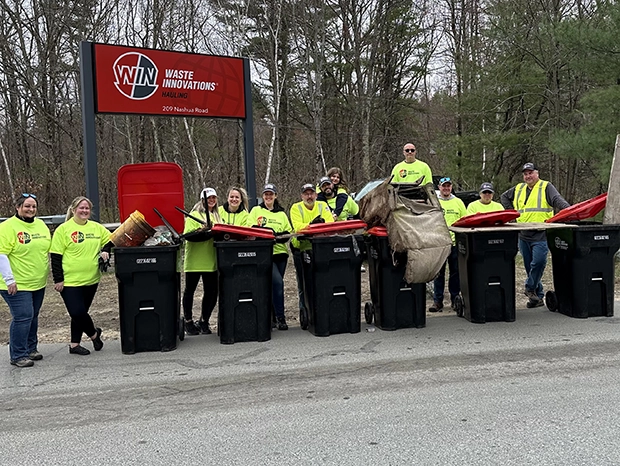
{"points": [[478, 207], [350, 208], [239, 218], [453, 209], [200, 256], [26, 245], [79, 246], [301, 217], [410, 172], [277, 221]]}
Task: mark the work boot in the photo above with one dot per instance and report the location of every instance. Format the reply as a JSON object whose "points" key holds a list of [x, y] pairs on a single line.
{"points": [[532, 304], [22, 362], [531, 295], [35, 356], [204, 327], [282, 324], [191, 328], [436, 307]]}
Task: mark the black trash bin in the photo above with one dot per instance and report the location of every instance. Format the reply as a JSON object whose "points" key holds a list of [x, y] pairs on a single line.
{"points": [[487, 274], [149, 297], [332, 284], [395, 303], [583, 269], [244, 290]]}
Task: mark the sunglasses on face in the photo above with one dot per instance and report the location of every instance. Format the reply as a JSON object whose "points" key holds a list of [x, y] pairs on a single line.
{"points": [[410, 150], [29, 195]]}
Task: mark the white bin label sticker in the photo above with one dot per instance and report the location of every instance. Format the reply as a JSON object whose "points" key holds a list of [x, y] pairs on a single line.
{"points": [[560, 243], [601, 237], [246, 254], [496, 241], [147, 260], [342, 249]]}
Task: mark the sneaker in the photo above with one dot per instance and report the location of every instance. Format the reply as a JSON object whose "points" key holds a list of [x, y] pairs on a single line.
{"points": [[532, 304], [282, 324], [22, 362], [204, 327], [78, 350], [192, 328], [362, 269], [436, 307], [97, 343], [35, 356], [531, 294]]}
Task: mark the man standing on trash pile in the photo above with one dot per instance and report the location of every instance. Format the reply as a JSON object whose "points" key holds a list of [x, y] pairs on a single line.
{"points": [[485, 203], [327, 193], [536, 200], [453, 209], [308, 211], [411, 169]]}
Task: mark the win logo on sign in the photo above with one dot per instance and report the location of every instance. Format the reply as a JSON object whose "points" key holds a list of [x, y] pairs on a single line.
{"points": [[135, 75]]}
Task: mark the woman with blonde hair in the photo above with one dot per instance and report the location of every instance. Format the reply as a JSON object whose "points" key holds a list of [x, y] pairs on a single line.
{"points": [[236, 209], [76, 248], [200, 262]]}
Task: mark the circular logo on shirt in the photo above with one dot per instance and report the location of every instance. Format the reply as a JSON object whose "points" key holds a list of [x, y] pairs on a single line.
{"points": [[23, 237], [402, 173], [261, 221], [77, 237]]}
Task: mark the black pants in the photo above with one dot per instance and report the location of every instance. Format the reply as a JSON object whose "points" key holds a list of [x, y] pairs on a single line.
{"points": [[210, 284], [78, 300]]}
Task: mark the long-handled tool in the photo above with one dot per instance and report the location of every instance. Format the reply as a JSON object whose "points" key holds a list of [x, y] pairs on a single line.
{"points": [[175, 234], [202, 222]]}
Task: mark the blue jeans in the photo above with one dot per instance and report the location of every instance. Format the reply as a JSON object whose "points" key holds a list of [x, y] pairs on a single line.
{"points": [[277, 284], [535, 260], [24, 307], [454, 283]]}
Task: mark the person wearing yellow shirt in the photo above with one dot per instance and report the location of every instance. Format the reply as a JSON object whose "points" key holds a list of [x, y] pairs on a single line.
{"points": [[200, 262], [76, 248], [453, 209], [24, 243], [411, 169], [308, 211], [328, 194], [270, 214], [236, 209], [536, 200], [485, 203]]}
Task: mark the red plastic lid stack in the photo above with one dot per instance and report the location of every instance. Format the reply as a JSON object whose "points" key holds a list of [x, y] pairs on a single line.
{"points": [[581, 211], [378, 231], [346, 227], [487, 219], [225, 232]]}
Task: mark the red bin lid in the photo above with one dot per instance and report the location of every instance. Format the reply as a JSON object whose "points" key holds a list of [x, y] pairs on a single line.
{"points": [[487, 219], [240, 233], [144, 186], [378, 231], [581, 211], [332, 227]]}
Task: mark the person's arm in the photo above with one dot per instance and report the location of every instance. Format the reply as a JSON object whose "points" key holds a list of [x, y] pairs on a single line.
{"points": [[352, 207], [341, 201], [471, 208], [428, 176], [507, 198], [555, 199], [58, 274], [5, 270], [297, 220]]}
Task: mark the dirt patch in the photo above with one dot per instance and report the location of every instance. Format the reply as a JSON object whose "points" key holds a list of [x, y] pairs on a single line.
{"points": [[54, 320]]}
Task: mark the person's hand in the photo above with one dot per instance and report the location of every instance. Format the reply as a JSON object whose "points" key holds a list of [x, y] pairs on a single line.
{"points": [[12, 288], [59, 286], [335, 216], [105, 256], [317, 219]]}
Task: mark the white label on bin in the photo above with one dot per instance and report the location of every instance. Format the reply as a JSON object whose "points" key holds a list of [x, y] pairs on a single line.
{"points": [[494, 283], [342, 249], [496, 241], [147, 260], [246, 254], [340, 293], [601, 237], [560, 243], [405, 289], [597, 279]]}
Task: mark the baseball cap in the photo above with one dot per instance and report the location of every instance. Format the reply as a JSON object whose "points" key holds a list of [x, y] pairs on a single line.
{"points": [[445, 179], [207, 192], [529, 166], [486, 187], [270, 188], [324, 180], [308, 186]]}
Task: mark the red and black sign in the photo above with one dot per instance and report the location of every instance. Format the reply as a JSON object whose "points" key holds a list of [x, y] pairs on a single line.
{"points": [[157, 82]]}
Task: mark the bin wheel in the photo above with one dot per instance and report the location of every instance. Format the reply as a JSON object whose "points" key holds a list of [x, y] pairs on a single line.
{"points": [[181, 330], [459, 306], [369, 312], [303, 319], [551, 300]]}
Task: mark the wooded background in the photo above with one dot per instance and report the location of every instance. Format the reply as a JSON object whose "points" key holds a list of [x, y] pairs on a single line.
{"points": [[479, 86]]}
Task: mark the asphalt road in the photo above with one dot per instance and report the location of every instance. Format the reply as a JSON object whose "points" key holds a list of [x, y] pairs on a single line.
{"points": [[544, 390]]}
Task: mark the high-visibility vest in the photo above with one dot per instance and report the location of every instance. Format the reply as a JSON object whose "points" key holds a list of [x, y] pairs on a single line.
{"points": [[536, 208]]}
